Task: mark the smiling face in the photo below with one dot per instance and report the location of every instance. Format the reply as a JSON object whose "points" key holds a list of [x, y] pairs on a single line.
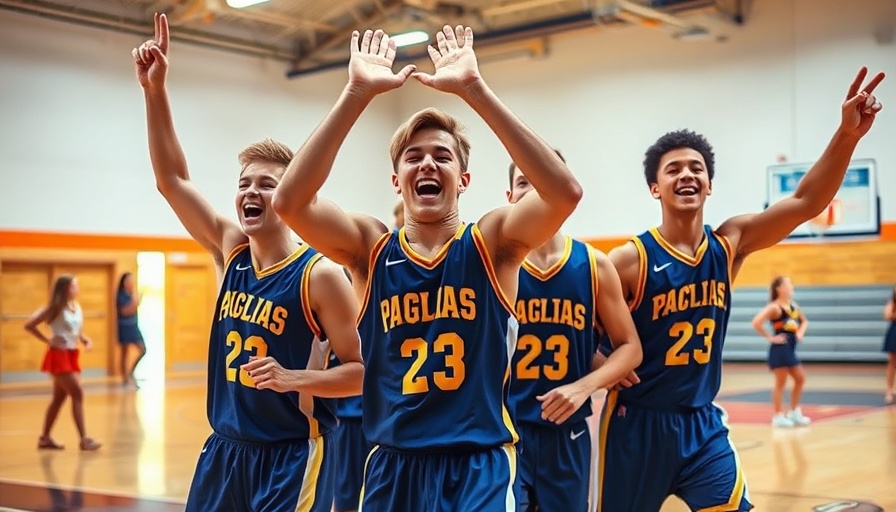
{"points": [[253, 199], [429, 176], [682, 181]]}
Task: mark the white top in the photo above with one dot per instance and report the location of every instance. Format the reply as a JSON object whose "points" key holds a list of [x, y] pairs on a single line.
{"points": [[67, 326]]}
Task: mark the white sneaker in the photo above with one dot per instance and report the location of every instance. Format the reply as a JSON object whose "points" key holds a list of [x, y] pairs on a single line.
{"points": [[796, 416], [779, 420]]}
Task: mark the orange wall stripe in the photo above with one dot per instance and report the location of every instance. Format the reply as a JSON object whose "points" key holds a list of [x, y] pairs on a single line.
{"points": [[50, 240]]}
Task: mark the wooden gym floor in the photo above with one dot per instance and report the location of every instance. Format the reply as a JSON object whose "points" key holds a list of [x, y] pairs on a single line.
{"points": [[152, 438]]}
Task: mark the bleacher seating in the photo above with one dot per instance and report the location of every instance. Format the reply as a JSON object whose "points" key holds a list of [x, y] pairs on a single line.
{"points": [[845, 323]]}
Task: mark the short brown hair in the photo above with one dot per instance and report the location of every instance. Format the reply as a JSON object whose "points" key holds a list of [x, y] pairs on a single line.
{"points": [[266, 151], [513, 167], [430, 118]]}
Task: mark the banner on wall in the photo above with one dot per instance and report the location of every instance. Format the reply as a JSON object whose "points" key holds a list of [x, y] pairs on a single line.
{"points": [[857, 202]]}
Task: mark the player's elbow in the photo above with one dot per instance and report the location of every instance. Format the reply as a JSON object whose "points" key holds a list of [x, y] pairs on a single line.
{"points": [[572, 193], [283, 205]]}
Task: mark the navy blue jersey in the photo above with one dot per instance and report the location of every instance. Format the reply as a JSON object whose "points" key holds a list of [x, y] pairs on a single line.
{"points": [[437, 335], [555, 309], [789, 321], [265, 313], [680, 309]]}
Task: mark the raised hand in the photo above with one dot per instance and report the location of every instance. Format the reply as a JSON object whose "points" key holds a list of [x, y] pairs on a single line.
{"points": [[151, 58], [454, 60], [370, 66], [860, 108]]}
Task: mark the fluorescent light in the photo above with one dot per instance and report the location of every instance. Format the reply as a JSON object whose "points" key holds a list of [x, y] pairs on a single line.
{"points": [[239, 4], [410, 38]]}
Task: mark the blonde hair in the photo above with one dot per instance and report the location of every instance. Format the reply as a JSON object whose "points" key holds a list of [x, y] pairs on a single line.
{"points": [[430, 118], [266, 151]]}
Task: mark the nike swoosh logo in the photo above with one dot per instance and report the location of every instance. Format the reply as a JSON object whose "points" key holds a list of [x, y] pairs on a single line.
{"points": [[389, 263], [238, 267], [661, 267], [204, 450], [574, 436]]}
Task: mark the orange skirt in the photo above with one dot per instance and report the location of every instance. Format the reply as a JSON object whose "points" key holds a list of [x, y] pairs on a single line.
{"points": [[59, 360]]}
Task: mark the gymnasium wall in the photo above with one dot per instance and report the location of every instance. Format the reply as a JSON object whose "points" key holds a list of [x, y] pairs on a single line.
{"points": [[71, 107], [604, 95]]}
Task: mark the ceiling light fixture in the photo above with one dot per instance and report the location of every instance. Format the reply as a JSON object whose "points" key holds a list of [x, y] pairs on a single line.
{"points": [[239, 4], [410, 38]]}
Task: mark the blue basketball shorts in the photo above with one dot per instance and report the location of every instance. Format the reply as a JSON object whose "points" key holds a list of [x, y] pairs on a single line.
{"points": [[351, 449], [555, 467]]}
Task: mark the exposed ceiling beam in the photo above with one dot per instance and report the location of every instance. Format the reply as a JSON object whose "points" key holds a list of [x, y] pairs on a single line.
{"points": [[140, 28], [384, 9], [515, 7]]}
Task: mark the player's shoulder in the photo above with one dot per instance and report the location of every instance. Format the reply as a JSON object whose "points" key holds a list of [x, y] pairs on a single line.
{"points": [[326, 272], [625, 255]]}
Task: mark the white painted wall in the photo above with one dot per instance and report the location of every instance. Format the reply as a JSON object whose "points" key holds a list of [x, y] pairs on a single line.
{"points": [[70, 104], [604, 95], [73, 129]]}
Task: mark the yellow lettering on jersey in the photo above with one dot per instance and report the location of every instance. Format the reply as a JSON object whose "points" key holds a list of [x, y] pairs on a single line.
{"points": [[236, 304], [690, 296], [279, 321], [566, 313], [561, 311], [225, 305], [258, 304], [255, 310], [467, 304], [264, 316], [414, 307], [245, 316], [449, 304], [579, 321]]}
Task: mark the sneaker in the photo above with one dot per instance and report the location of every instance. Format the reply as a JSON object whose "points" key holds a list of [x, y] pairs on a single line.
{"points": [[779, 420], [796, 416]]}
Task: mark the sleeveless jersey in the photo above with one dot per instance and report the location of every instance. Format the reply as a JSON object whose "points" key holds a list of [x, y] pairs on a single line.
{"points": [[556, 344], [680, 309], [789, 322], [437, 335], [266, 313]]}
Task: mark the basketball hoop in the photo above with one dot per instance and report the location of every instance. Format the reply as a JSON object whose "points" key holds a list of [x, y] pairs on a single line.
{"points": [[831, 215]]}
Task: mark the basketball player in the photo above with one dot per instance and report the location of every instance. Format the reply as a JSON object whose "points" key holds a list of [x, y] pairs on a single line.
{"points": [[790, 326], [564, 288], [437, 320], [678, 278], [280, 304]]}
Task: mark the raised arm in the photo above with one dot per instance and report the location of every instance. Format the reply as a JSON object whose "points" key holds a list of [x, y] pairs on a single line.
{"points": [[215, 233], [560, 403], [336, 308], [345, 238], [750, 233], [769, 313], [531, 221]]}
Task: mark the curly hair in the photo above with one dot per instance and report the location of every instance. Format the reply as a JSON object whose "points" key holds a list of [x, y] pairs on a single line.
{"points": [[675, 140]]}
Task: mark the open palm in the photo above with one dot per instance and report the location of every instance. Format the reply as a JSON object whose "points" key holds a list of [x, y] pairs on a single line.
{"points": [[370, 66], [860, 108], [454, 60], [151, 58]]}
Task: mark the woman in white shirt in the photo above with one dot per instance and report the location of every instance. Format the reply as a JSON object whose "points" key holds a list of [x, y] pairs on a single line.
{"points": [[63, 315]]}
